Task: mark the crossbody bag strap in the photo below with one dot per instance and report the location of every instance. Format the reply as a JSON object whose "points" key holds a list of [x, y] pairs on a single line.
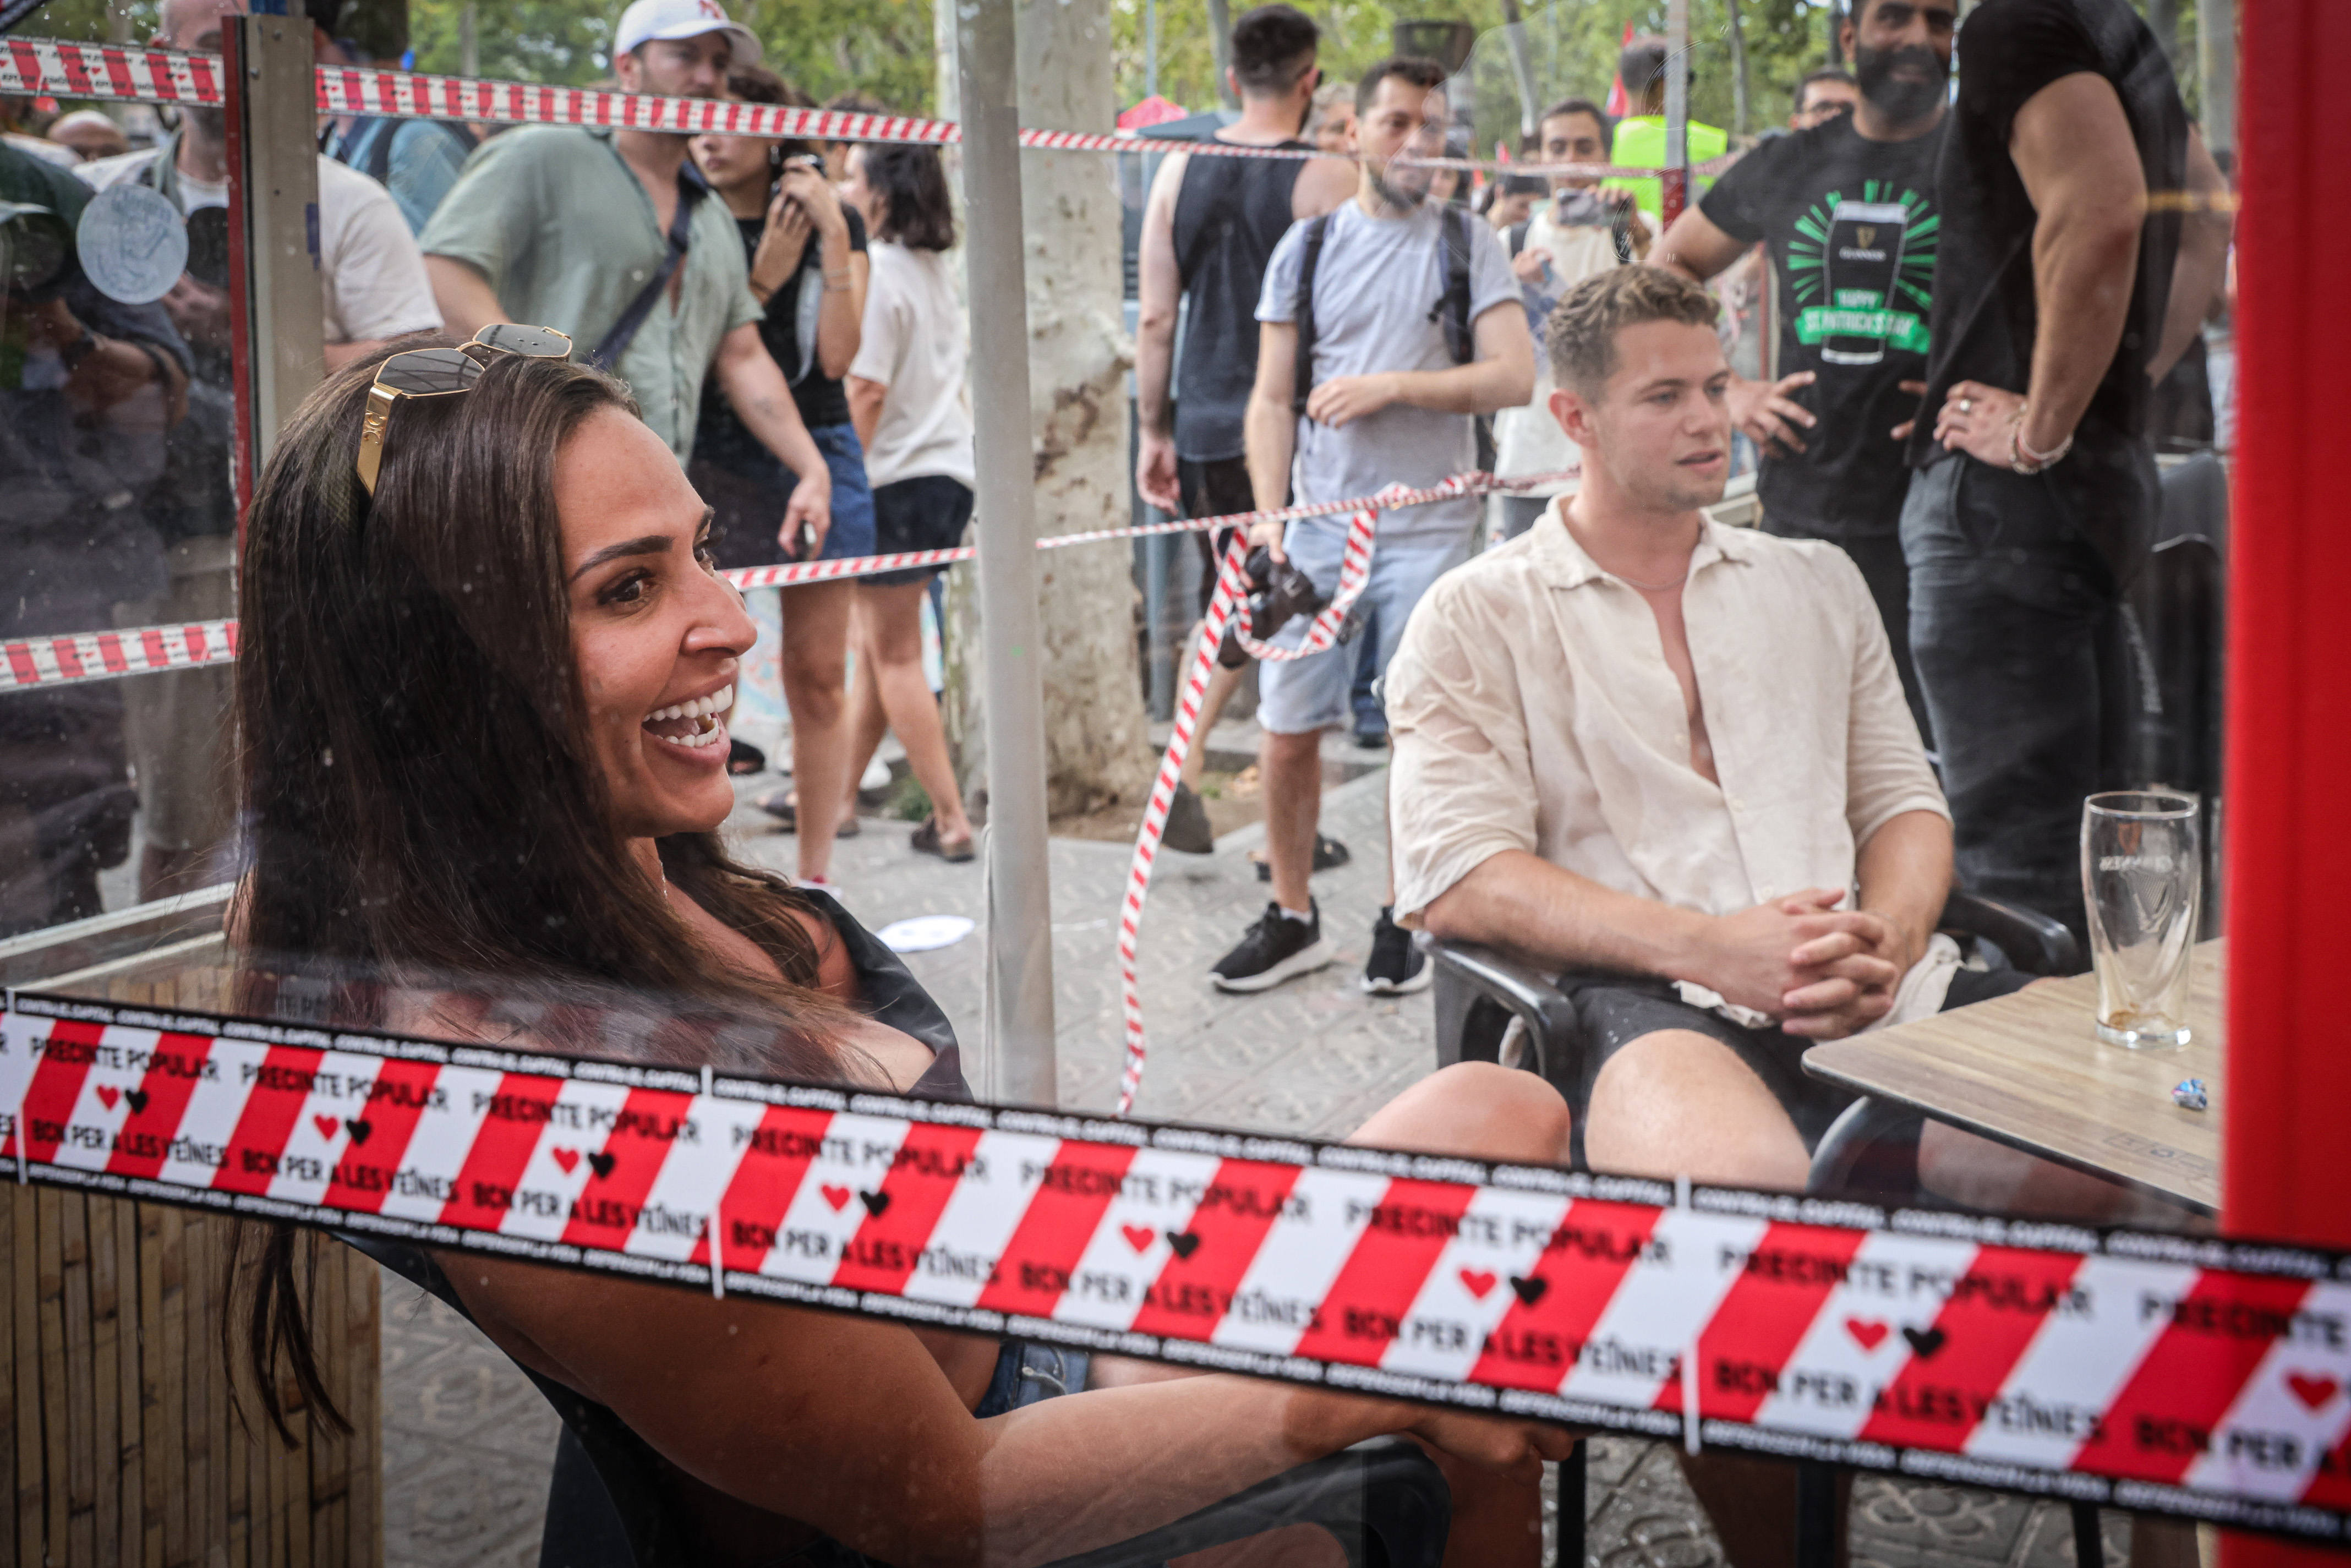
{"points": [[1316, 229], [691, 189]]}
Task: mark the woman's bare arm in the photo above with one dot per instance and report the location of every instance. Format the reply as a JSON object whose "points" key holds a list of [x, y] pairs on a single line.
{"points": [[852, 1427]]}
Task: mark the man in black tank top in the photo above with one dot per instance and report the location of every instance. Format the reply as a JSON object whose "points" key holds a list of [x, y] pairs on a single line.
{"points": [[1209, 230]]}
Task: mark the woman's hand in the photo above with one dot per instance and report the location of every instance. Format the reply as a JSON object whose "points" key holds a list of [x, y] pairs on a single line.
{"points": [[783, 245], [813, 193], [809, 508]]}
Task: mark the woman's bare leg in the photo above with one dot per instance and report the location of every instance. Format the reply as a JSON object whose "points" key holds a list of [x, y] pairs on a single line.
{"points": [[891, 621], [867, 722], [815, 661]]}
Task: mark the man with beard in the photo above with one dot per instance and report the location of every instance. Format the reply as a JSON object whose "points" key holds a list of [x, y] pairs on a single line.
{"points": [[1386, 326], [610, 234], [1847, 209]]}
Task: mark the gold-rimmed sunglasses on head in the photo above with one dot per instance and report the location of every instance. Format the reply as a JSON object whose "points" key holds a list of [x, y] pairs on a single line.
{"points": [[444, 372]]}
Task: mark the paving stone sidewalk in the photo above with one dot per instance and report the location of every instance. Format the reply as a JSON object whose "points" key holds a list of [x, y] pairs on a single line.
{"points": [[468, 1441]]}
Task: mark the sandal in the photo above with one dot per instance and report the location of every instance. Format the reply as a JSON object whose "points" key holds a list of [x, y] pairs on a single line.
{"points": [[925, 841], [743, 757], [785, 810], [1329, 855]]}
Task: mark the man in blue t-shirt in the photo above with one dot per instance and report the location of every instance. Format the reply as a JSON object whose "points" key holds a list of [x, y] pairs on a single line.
{"points": [[1391, 399]]}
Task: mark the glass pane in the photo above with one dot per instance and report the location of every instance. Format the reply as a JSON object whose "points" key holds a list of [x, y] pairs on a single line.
{"points": [[1643, 964]]}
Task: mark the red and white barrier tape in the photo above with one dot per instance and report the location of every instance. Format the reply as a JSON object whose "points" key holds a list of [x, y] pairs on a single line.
{"points": [[71, 656], [109, 71], [1230, 601], [2187, 1375], [103, 655]]}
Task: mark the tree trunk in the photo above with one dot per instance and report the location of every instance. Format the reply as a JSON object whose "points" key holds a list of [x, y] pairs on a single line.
{"points": [[1220, 44], [1522, 68], [1097, 741], [1738, 79]]}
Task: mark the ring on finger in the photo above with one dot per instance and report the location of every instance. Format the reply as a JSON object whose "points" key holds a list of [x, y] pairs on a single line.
{"points": [[1967, 405]]}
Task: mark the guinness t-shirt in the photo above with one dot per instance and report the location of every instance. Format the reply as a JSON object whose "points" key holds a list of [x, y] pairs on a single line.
{"points": [[1852, 228]]}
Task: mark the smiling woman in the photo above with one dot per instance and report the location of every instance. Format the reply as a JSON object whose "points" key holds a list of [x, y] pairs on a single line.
{"points": [[484, 773]]}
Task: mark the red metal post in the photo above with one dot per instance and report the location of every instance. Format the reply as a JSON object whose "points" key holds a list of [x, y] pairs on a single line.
{"points": [[2288, 1164]]}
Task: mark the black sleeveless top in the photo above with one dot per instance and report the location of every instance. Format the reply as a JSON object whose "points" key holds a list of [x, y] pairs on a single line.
{"points": [[640, 1480], [1230, 214]]}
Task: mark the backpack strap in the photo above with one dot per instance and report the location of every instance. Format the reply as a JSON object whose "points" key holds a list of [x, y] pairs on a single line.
{"points": [[1452, 307], [1518, 238], [1317, 229], [691, 188]]}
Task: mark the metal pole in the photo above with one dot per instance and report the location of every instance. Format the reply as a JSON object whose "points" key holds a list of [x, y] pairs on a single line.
{"points": [[1675, 194], [2216, 62], [1151, 48], [279, 303], [1016, 1058]]}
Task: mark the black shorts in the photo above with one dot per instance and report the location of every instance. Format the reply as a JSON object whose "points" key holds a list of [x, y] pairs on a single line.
{"points": [[929, 511], [1613, 1010], [1216, 488]]}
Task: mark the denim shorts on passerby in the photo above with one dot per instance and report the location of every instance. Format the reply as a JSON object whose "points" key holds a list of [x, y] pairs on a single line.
{"points": [[1302, 694], [750, 498]]}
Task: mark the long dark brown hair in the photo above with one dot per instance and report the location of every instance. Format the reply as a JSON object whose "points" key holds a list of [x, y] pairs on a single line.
{"points": [[422, 805]]}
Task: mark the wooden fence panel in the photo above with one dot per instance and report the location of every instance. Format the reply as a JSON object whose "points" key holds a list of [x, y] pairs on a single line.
{"points": [[120, 1437]]}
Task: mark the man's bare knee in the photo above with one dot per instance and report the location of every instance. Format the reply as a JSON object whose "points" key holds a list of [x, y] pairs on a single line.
{"points": [[1678, 1103]]}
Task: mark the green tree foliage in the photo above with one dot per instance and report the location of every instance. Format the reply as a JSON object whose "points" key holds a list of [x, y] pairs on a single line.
{"points": [[884, 46], [1572, 47]]}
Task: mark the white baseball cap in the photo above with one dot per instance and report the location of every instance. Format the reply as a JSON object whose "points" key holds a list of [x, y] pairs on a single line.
{"points": [[650, 19]]}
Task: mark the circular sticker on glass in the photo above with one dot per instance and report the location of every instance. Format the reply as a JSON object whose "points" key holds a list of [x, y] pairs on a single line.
{"points": [[923, 933], [133, 243]]}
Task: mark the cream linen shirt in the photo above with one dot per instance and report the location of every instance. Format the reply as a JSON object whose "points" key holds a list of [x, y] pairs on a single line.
{"points": [[1531, 708]]}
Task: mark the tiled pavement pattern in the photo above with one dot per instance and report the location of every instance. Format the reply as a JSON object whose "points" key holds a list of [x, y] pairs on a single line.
{"points": [[467, 1440]]}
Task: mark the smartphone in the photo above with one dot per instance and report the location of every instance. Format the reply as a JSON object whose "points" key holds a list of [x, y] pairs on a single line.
{"points": [[1582, 209]]}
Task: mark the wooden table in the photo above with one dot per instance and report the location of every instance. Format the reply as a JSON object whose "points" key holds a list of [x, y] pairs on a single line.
{"points": [[2028, 1070]]}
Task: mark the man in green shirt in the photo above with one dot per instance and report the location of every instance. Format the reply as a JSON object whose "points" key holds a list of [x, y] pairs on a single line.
{"points": [[1641, 138], [565, 227]]}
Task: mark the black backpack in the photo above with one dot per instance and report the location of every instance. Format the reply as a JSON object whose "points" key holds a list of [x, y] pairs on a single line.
{"points": [[1452, 307]]}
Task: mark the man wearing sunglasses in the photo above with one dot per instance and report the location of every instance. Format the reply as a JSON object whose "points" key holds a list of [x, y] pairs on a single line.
{"points": [[608, 235]]}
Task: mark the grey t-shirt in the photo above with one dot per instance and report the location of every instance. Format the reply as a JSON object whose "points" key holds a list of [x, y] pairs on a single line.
{"points": [[1374, 287]]}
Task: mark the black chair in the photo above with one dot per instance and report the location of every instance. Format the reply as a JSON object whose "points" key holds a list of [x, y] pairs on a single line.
{"points": [[1479, 991], [1384, 1502]]}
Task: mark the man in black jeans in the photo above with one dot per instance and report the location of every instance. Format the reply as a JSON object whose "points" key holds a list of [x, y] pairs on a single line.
{"points": [[2033, 502]]}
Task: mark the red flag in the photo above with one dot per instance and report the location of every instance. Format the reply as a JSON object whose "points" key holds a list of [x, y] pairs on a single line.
{"points": [[1618, 104]]}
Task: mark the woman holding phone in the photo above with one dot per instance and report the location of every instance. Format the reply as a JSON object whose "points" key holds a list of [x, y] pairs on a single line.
{"points": [[807, 261]]}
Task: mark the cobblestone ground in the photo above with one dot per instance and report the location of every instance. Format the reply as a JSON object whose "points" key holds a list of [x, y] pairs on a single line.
{"points": [[467, 1440]]}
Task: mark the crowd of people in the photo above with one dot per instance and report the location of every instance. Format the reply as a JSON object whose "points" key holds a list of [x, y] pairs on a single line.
{"points": [[782, 313]]}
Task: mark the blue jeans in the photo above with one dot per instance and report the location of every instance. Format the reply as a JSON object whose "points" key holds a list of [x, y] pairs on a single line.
{"points": [[750, 493], [1297, 696], [2017, 631]]}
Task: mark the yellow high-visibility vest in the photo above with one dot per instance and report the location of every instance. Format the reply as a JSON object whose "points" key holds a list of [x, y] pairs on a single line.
{"points": [[1641, 144]]}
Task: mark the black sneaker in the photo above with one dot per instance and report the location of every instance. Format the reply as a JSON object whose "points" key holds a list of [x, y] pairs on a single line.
{"points": [[1397, 966], [1275, 949], [1188, 831]]}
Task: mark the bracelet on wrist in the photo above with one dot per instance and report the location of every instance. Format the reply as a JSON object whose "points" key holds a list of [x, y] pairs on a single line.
{"points": [[2021, 458]]}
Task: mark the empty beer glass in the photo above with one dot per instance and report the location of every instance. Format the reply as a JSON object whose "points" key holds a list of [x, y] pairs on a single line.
{"points": [[2142, 877]]}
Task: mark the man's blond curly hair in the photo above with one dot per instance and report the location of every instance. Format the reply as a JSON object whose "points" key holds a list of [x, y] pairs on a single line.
{"points": [[1581, 334]]}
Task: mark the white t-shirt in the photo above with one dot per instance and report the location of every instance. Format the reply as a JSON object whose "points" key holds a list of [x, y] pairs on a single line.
{"points": [[1529, 440], [372, 273], [913, 343]]}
